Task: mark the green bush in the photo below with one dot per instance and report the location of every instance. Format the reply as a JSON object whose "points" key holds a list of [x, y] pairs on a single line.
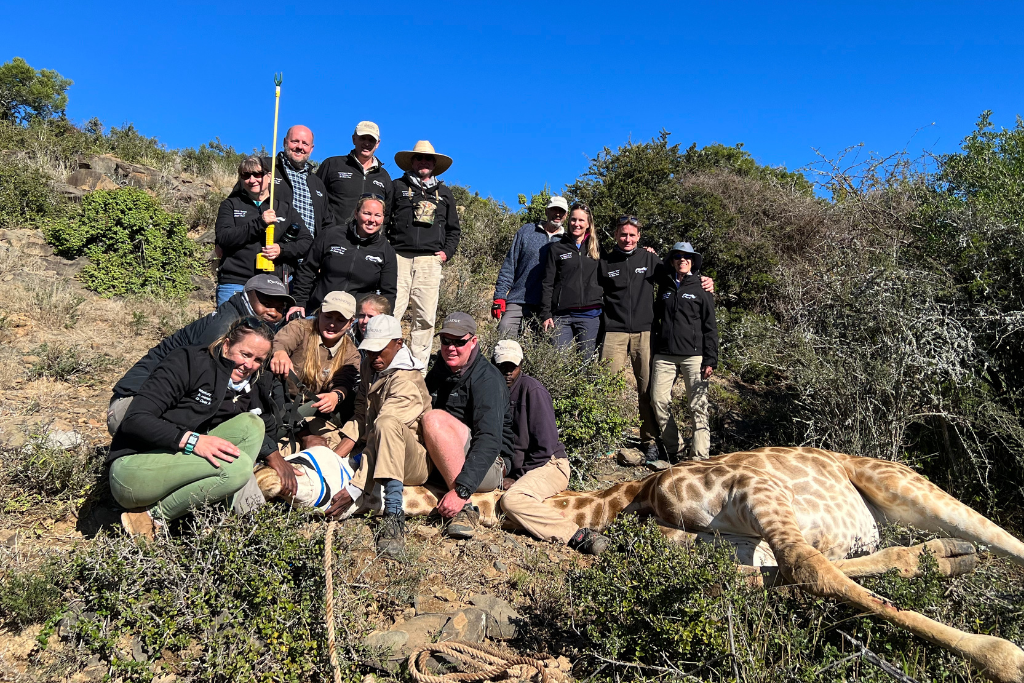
{"points": [[134, 246], [42, 473], [32, 596], [67, 363], [26, 197]]}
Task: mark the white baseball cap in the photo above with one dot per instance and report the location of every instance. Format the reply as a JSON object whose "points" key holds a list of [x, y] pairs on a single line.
{"points": [[557, 202], [379, 332], [508, 351]]}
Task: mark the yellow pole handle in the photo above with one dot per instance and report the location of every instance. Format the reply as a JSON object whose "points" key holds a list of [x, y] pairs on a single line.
{"points": [[262, 262]]}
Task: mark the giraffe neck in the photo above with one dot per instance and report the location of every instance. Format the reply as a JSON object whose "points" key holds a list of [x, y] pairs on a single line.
{"points": [[598, 509]]}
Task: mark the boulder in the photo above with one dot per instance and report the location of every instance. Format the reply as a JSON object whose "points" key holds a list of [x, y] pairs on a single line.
{"points": [[102, 163], [88, 179], [629, 457], [408, 636], [502, 618], [468, 625]]}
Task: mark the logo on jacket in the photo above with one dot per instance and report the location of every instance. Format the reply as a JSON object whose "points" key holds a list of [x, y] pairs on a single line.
{"points": [[564, 256], [344, 174], [613, 273], [407, 193], [688, 296], [241, 213], [338, 250], [374, 259], [277, 181], [319, 193], [641, 270], [203, 396], [378, 183], [666, 295]]}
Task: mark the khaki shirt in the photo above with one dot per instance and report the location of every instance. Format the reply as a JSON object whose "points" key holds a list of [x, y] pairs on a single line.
{"points": [[400, 393], [293, 338]]}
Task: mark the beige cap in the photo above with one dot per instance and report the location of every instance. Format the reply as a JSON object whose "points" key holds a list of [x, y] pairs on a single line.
{"points": [[368, 128], [404, 159], [508, 351], [557, 202], [379, 332], [340, 302]]}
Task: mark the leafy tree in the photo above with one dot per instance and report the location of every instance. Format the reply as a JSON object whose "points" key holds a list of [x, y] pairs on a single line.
{"points": [[26, 94], [534, 210]]}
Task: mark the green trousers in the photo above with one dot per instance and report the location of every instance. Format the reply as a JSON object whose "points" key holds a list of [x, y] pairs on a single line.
{"points": [[171, 483]]}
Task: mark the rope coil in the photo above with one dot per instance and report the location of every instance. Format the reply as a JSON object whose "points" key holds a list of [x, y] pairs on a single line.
{"points": [[489, 663]]}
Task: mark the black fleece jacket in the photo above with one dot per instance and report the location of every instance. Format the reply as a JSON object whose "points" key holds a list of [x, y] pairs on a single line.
{"points": [[241, 232], [684, 319], [477, 397], [202, 332], [323, 216], [443, 235], [340, 260], [346, 180], [570, 279], [184, 394], [533, 426], [628, 284]]}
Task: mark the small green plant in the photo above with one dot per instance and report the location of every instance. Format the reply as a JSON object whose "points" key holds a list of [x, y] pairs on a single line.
{"points": [[134, 246], [66, 363], [32, 596], [26, 196], [137, 325]]}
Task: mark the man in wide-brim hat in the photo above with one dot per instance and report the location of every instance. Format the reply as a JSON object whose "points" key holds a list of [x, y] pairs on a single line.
{"points": [[425, 233]]}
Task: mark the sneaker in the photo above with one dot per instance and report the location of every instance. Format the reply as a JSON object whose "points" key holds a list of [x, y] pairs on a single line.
{"points": [[391, 535], [588, 542], [139, 522], [463, 525]]}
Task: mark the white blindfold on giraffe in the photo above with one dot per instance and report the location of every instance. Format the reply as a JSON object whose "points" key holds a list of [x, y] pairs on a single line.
{"points": [[320, 474]]}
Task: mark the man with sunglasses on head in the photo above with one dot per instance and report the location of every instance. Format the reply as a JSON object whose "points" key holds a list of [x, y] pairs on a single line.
{"points": [[297, 184], [468, 434], [627, 274], [425, 233], [358, 173], [518, 290]]}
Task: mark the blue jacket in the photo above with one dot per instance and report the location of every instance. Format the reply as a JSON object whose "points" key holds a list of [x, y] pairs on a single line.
{"points": [[521, 274]]}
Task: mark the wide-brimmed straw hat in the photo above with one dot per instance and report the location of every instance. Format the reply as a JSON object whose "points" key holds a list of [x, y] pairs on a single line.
{"points": [[404, 159]]}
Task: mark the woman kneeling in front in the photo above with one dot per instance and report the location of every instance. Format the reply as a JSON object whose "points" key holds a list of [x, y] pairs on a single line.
{"points": [[195, 429]]}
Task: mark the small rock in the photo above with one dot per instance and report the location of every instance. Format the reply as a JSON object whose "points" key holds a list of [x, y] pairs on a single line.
{"points": [[469, 625], [426, 531], [446, 593], [59, 438], [493, 549], [138, 652], [659, 465], [501, 616], [629, 457], [500, 566]]}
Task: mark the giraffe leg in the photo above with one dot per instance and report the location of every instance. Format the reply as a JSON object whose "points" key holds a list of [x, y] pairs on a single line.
{"points": [[903, 495], [999, 659], [954, 557]]}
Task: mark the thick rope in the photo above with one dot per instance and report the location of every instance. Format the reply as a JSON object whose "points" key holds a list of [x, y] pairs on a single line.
{"points": [[329, 599], [489, 663]]}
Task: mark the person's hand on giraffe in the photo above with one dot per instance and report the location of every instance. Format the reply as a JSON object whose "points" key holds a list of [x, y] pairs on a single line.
{"points": [[451, 505]]}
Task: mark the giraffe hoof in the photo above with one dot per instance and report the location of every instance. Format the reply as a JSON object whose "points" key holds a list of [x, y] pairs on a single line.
{"points": [[954, 556]]}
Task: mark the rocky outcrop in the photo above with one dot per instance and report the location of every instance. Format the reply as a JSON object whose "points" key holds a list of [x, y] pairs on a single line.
{"points": [[107, 172]]}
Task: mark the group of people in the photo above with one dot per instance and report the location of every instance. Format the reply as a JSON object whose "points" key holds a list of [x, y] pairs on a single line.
{"points": [[313, 354], [657, 315]]}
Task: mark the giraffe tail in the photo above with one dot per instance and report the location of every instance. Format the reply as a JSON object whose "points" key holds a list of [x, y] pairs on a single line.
{"points": [[902, 495]]}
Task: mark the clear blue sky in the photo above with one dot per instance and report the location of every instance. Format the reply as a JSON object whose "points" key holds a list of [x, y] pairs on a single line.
{"points": [[521, 93]]}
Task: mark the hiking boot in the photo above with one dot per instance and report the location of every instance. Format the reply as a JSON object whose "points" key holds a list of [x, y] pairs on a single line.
{"points": [[463, 525], [139, 522], [653, 452], [588, 542], [655, 458], [391, 535]]}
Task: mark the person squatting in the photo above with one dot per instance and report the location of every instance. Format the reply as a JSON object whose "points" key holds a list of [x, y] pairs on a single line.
{"points": [[305, 369]]}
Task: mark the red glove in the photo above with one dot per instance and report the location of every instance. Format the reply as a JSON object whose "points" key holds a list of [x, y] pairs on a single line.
{"points": [[498, 309]]}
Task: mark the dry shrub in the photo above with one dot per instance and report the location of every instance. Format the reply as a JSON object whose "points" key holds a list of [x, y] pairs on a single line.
{"points": [[56, 302]]}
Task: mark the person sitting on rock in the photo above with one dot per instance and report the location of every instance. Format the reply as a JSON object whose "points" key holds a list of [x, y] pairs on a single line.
{"points": [[390, 403], [469, 433], [540, 467], [195, 429], [317, 358]]}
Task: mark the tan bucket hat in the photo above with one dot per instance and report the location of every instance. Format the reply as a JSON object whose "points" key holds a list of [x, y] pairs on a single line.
{"points": [[404, 159]]}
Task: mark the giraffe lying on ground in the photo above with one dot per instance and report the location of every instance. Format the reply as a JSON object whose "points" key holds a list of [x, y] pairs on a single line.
{"points": [[806, 516]]}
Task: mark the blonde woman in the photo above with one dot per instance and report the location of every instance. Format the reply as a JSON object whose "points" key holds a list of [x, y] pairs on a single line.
{"points": [[571, 297], [324, 359]]}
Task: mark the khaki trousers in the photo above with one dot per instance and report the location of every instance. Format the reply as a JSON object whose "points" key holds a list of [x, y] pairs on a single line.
{"points": [[635, 347], [419, 281], [392, 451], [524, 502], [665, 370]]}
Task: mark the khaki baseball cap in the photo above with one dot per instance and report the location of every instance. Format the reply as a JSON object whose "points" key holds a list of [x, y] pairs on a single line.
{"points": [[557, 202], [508, 351], [458, 324], [368, 128], [379, 332], [340, 302]]}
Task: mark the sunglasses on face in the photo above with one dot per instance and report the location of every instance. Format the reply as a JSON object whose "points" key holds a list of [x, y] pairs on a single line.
{"points": [[457, 343], [681, 257], [251, 322], [245, 175]]}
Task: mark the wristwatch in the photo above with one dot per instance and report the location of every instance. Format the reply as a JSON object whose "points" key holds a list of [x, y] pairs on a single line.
{"points": [[462, 491], [193, 439]]}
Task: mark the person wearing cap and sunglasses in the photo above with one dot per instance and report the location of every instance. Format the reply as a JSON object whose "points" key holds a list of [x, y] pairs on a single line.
{"points": [[354, 258], [468, 434], [517, 293], [264, 296], [571, 297], [425, 233], [241, 230], [195, 430], [357, 174], [317, 358], [685, 342], [296, 182], [540, 467], [627, 275], [390, 404]]}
